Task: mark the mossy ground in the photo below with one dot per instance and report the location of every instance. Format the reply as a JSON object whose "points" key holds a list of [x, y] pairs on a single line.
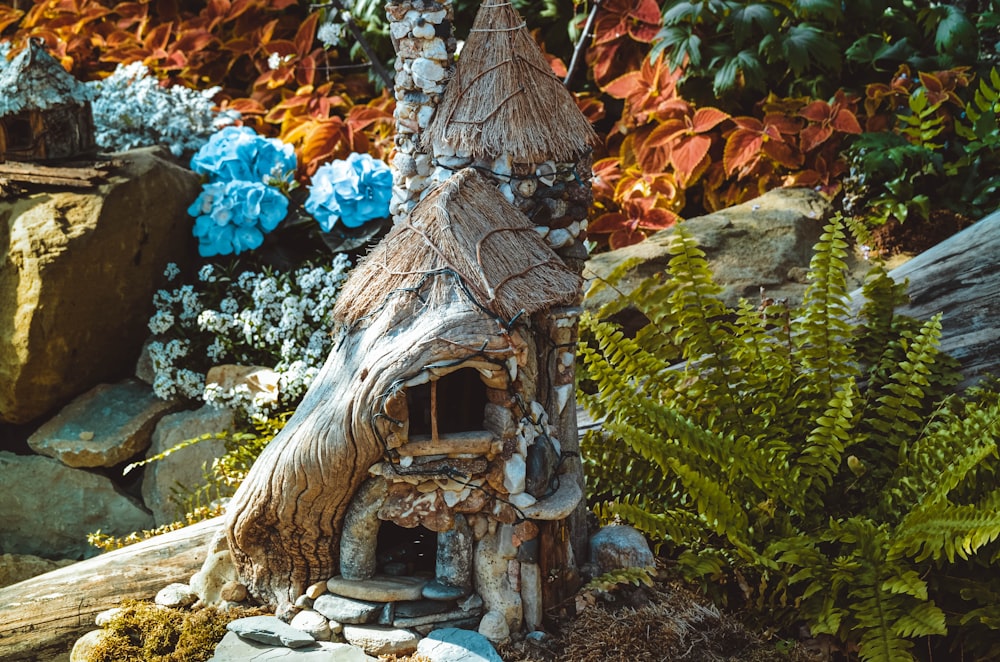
{"points": [[634, 624], [145, 632]]}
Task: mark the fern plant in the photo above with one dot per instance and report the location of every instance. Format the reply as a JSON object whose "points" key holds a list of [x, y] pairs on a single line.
{"points": [[811, 457]]}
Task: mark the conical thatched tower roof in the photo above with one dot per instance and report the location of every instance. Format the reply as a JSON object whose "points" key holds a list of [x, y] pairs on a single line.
{"points": [[504, 98], [34, 79], [463, 239]]}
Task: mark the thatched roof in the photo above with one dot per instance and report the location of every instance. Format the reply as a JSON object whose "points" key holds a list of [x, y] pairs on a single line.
{"points": [[35, 80], [505, 99], [463, 239]]}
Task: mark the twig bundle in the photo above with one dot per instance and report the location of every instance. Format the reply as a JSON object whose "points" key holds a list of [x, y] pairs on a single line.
{"points": [[463, 239], [505, 99]]}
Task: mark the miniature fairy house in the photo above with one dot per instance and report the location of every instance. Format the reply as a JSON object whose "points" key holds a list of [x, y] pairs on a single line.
{"points": [[427, 470], [506, 113], [431, 474], [45, 112]]}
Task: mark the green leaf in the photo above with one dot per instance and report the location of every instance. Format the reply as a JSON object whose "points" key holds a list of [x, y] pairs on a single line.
{"points": [[745, 62], [830, 10], [744, 17], [805, 46], [954, 31]]}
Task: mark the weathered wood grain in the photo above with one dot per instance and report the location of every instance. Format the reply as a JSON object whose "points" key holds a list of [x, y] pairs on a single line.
{"points": [[960, 278], [41, 617]]}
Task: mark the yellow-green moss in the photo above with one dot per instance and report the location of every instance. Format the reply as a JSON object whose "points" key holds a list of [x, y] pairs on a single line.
{"points": [[145, 632]]}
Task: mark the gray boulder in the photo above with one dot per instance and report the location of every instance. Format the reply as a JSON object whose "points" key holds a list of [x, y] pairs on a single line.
{"points": [[765, 243], [455, 645], [47, 509], [183, 468]]}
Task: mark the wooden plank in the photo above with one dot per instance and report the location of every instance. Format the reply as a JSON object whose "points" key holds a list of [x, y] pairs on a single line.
{"points": [[478, 442], [67, 175], [42, 617]]}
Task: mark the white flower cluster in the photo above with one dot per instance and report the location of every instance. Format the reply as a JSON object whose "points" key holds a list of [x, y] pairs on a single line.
{"points": [[4, 53], [132, 109], [332, 34], [271, 319]]}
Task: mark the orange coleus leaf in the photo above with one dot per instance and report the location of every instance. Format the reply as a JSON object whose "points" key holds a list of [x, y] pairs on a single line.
{"points": [[591, 106], [9, 16], [638, 218], [940, 86], [652, 89], [660, 189], [753, 139], [825, 118], [305, 36], [639, 19], [318, 141]]}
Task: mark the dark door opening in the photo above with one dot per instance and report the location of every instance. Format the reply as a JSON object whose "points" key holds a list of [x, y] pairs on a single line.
{"points": [[405, 552]]}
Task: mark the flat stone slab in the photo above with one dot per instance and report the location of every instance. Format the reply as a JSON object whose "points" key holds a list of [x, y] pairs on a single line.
{"points": [[381, 640], [380, 588], [347, 610], [270, 630], [455, 645], [105, 426], [233, 648], [436, 590], [418, 608], [428, 619]]}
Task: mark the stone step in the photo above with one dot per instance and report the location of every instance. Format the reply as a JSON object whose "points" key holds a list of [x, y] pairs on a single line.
{"points": [[380, 588]]}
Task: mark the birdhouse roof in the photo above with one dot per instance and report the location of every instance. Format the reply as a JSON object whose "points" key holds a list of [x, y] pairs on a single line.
{"points": [[36, 80], [505, 99], [464, 239]]}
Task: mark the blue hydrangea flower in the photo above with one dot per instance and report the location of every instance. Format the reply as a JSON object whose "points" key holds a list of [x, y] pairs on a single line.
{"points": [[233, 216], [354, 192], [240, 153]]}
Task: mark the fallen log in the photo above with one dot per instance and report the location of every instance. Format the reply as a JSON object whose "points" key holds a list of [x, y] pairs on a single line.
{"points": [[960, 278], [41, 617]]}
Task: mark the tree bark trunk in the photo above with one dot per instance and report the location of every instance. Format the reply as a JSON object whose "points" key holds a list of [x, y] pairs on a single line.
{"points": [[960, 278], [285, 521], [41, 617]]}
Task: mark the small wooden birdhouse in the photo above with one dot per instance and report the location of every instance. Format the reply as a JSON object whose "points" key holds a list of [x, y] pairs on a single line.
{"points": [[45, 113]]}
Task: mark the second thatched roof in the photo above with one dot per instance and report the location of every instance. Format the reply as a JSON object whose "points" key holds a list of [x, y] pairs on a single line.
{"points": [[464, 239], [34, 80], [505, 99]]}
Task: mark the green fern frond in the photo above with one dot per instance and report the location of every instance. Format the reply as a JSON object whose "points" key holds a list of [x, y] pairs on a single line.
{"points": [[898, 414], [676, 526], [613, 281], [880, 644], [173, 449], [946, 530], [715, 505], [822, 333], [921, 620], [609, 581], [824, 448], [606, 460]]}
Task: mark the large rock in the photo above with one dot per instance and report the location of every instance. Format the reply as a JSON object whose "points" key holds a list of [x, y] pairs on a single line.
{"points": [[107, 425], [185, 467], [47, 509], [767, 242], [16, 568], [78, 276]]}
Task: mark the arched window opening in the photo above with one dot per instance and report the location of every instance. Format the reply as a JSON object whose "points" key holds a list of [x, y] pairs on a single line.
{"points": [[453, 403]]}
